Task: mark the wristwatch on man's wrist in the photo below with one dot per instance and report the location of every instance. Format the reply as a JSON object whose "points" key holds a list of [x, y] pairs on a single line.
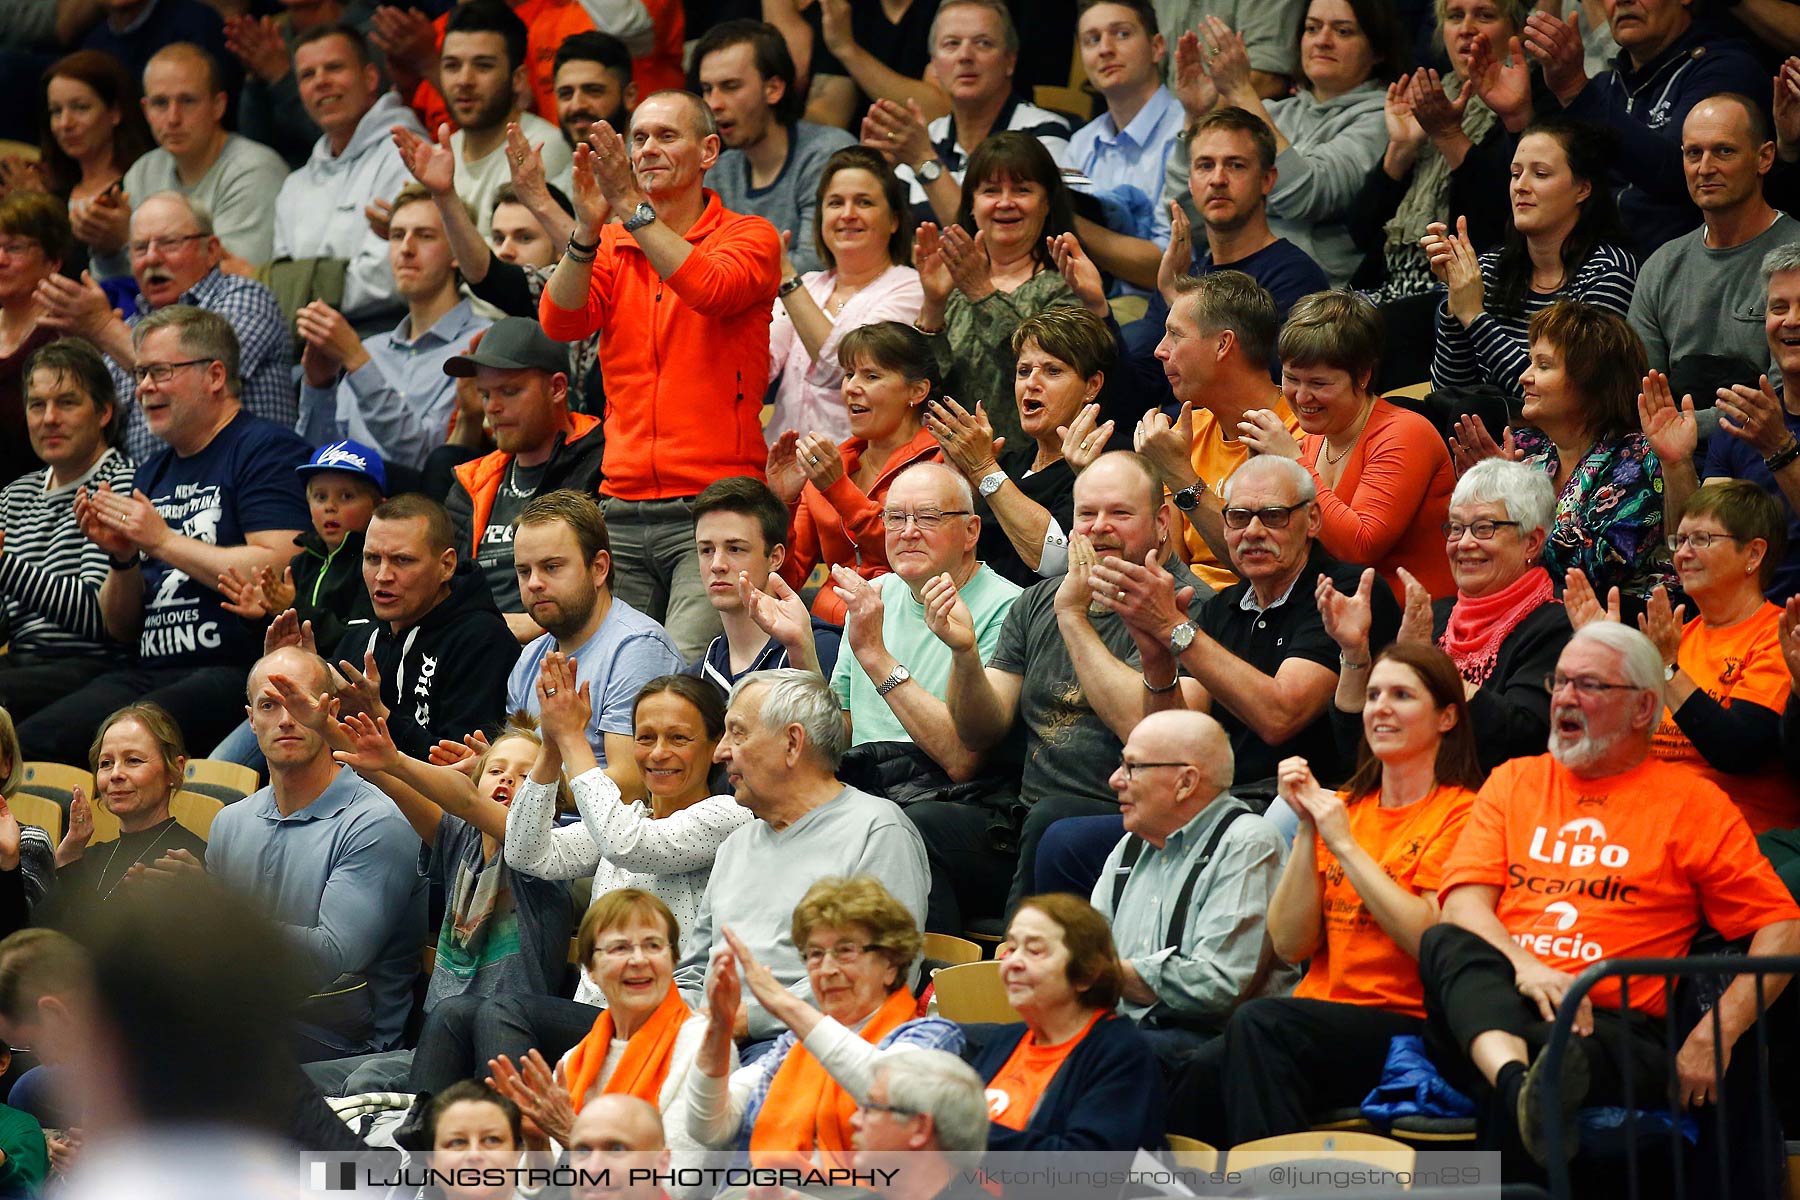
{"points": [[930, 171], [640, 216], [1188, 498], [898, 676], [1181, 637]]}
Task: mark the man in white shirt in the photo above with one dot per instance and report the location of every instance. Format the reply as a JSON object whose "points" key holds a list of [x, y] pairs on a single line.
{"points": [[483, 72]]}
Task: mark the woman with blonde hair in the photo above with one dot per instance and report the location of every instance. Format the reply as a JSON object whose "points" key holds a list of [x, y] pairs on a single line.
{"points": [[139, 761]]}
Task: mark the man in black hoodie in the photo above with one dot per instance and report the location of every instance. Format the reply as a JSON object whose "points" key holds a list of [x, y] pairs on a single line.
{"points": [[434, 661]]}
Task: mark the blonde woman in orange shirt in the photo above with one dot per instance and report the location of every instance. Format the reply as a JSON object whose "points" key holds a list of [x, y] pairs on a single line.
{"points": [[1358, 891]]}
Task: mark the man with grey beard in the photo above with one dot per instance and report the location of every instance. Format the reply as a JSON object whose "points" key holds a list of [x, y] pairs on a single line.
{"points": [[1596, 850]]}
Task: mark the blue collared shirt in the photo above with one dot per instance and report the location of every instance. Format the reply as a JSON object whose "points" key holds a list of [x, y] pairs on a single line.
{"points": [[1133, 157], [400, 401], [341, 876]]}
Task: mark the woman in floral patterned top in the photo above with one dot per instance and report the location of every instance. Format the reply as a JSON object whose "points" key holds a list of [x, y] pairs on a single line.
{"points": [[1580, 429]]}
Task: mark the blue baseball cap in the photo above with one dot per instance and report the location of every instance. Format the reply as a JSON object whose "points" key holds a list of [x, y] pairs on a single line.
{"points": [[352, 458]]}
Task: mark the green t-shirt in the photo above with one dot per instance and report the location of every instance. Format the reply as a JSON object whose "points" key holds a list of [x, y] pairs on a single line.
{"points": [[27, 1158], [988, 594]]}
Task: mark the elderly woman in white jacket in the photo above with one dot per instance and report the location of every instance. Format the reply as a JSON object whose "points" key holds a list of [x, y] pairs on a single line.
{"points": [[1328, 135]]}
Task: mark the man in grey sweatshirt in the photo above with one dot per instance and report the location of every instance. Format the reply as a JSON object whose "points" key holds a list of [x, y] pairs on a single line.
{"points": [[784, 737]]}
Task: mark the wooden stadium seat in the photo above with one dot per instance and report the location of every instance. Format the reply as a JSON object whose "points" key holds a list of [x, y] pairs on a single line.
{"points": [[951, 950], [56, 781], [194, 812], [1434, 1133], [32, 809], [971, 993], [1342, 1144], [1193, 1153], [223, 781], [1412, 391]]}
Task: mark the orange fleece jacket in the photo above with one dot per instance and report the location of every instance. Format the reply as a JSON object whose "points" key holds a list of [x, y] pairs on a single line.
{"points": [[686, 359]]}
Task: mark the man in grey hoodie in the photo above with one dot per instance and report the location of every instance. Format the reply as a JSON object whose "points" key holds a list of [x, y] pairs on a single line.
{"points": [[319, 211]]}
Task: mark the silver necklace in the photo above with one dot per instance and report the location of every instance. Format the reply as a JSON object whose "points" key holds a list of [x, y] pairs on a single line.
{"points": [[134, 862]]}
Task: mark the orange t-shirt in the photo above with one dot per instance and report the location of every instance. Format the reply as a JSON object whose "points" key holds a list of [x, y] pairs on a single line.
{"points": [[1390, 501], [1739, 662], [1358, 963], [1619, 867], [547, 23], [1013, 1093], [1214, 460]]}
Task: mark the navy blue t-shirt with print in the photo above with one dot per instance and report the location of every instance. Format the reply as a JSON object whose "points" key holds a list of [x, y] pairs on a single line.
{"points": [[242, 482]]}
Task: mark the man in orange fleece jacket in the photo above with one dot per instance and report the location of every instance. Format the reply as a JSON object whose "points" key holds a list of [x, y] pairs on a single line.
{"points": [[681, 292]]}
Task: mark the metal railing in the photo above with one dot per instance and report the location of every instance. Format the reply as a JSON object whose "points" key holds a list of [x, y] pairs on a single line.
{"points": [[1669, 970]]}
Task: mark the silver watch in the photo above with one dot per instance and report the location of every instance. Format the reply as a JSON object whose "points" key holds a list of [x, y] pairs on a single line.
{"points": [[929, 171], [990, 483], [899, 676], [640, 216], [1181, 637]]}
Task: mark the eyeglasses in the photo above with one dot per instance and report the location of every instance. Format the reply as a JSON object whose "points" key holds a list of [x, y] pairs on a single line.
{"points": [[1272, 518], [1587, 685], [890, 1109], [1484, 531], [163, 372], [620, 951], [1132, 768], [846, 953], [165, 244], [1700, 539], [19, 247], [927, 519]]}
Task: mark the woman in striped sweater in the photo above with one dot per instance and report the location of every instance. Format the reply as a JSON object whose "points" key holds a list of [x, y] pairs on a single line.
{"points": [[1563, 244]]}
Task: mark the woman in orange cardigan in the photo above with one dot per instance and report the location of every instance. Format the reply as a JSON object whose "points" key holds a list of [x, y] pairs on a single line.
{"points": [[1383, 473], [835, 493]]}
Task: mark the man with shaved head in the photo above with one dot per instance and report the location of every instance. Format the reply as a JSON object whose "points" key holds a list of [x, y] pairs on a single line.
{"points": [[235, 178], [1188, 886], [681, 292], [333, 862], [613, 1136], [1064, 669]]}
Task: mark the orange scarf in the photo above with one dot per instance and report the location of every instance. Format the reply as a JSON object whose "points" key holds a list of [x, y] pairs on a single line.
{"points": [[806, 1109], [644, 1067]]}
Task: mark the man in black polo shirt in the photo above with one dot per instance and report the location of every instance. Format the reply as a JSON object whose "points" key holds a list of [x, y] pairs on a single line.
{"points": [[1259, 655]]}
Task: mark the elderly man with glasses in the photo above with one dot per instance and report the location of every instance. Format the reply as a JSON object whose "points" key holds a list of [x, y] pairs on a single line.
{"points": [[1187, 888], [1596, 850], [1259, 655], [892, 683], [175, 259]]}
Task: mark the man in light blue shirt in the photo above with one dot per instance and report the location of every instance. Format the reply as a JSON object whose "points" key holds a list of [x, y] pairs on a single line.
{"points": [[391, 392], [564, 561], [1124, 151], [333, 862]]}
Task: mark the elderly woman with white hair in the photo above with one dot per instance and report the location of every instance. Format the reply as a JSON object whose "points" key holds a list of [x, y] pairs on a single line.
{"points": [[1503, 629]]}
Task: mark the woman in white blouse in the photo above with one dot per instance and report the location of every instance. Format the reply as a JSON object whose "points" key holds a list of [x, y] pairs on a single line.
{"points": [[662, 842], [864, 236]]}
